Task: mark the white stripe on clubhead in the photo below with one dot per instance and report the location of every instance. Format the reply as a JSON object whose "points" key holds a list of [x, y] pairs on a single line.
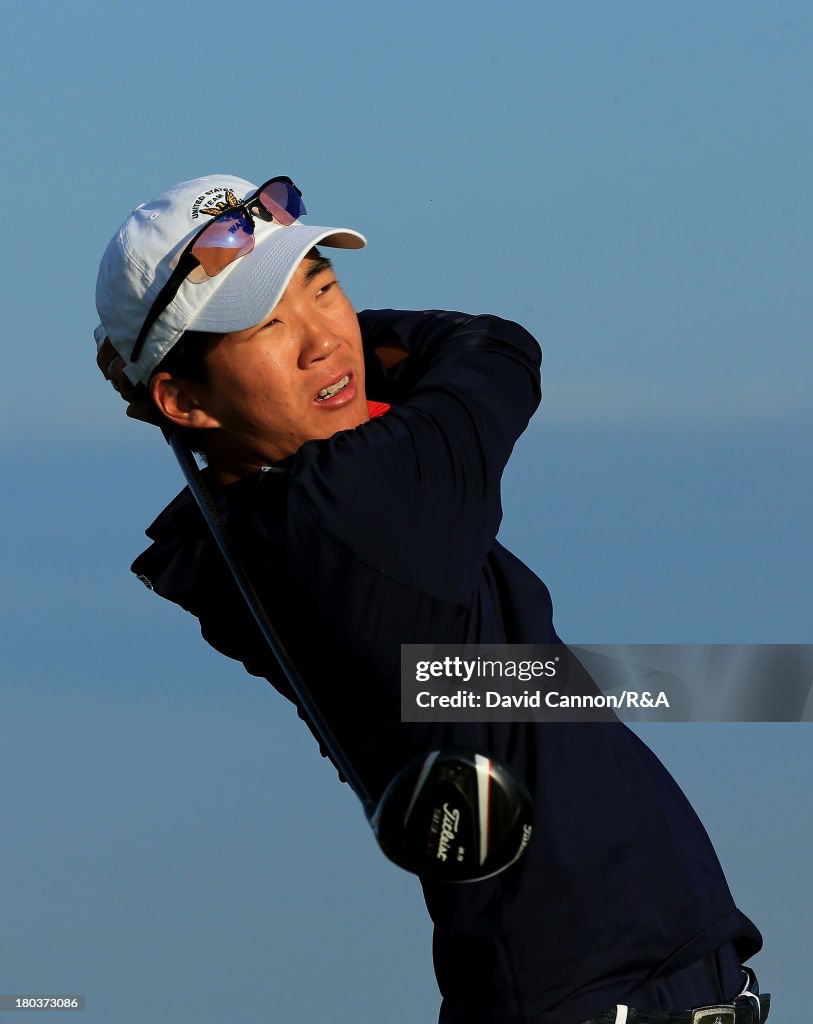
{"points": [[427, 767], [483, 766]]}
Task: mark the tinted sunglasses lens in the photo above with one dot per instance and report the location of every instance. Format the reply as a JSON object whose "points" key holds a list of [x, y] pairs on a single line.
{"points": [[282, 201], [228, 236]]}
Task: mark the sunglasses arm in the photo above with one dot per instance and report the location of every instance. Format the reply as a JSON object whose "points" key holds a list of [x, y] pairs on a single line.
{"points": [[186, 265]]}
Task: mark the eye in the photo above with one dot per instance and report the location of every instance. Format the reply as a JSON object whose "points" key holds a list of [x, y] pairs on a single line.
{"points": [[327, 286]]}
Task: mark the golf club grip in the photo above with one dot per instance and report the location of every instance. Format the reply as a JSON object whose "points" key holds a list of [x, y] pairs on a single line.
{"points": [[206, 503]]}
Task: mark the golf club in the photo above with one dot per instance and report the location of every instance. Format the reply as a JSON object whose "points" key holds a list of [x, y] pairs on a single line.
{"points": [[450, 815]]}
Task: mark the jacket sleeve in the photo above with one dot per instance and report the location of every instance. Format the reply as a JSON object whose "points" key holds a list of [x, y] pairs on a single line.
{"points": [[415, 494]]}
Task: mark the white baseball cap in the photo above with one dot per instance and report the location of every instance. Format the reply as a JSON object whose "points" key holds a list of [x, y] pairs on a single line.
{"points": [[146, 248]]}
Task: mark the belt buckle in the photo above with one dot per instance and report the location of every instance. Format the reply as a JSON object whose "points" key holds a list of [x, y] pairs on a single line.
{"points": [[722, 1014]]}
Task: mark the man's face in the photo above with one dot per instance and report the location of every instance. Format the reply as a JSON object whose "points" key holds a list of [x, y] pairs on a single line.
{"points": [[296, 377]]}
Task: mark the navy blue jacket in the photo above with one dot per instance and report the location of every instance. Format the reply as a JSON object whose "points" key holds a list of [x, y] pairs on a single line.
{"points": [[386, 534]]}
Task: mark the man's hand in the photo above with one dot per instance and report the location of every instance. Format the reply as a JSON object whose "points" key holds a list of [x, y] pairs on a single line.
{"points": [[139, 404]]}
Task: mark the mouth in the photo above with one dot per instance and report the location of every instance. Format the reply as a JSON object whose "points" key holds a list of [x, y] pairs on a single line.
{"points": [[333, 389]]}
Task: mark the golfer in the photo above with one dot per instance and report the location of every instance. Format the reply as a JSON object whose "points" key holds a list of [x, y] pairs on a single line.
{"points": [[357, 463]]}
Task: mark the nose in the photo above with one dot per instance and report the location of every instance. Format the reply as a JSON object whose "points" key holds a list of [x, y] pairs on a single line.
{"points": [[319, 341]]}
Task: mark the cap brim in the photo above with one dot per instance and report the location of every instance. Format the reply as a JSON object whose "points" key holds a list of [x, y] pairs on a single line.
{"points": [[252, 287]]}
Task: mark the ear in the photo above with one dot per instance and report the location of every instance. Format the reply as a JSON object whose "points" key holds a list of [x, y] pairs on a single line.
{"points": [[177, 399]]}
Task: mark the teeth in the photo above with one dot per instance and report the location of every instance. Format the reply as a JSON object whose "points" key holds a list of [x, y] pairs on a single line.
{"points": [[327, 392]]}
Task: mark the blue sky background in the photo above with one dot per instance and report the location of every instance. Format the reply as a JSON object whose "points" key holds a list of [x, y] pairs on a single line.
{"points": [[631, 181]]}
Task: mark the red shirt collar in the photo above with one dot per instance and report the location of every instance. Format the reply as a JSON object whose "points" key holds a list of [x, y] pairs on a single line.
{"points": [[377, 408]]}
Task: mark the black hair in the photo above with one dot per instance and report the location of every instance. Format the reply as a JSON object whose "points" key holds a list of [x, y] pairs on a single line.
{"points": [[187, 356]]}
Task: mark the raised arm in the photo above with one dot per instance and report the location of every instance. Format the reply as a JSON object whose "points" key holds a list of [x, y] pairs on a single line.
{"points": [[416, 493]]}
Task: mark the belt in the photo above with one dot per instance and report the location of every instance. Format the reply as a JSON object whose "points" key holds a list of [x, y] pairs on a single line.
{"points": [[750, 1010]]}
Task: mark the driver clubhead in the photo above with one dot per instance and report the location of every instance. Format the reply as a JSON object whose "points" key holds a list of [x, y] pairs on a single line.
{"points": [[454, 816]]}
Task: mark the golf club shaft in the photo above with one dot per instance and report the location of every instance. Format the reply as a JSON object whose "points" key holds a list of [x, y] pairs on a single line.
{"points": [[206, 503]]}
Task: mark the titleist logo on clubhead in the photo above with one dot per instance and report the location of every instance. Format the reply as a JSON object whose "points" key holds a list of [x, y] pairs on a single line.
{"points": [[448, 831], [526, 838]]}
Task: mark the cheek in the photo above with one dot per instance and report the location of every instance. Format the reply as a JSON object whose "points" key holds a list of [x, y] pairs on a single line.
{"points": [[343, 314], [252, 390], [254, 372], [347, 325], [352, 321]]}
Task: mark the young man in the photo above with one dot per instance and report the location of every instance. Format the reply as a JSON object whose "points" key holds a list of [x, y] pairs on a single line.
{"points": [[358, 465]]}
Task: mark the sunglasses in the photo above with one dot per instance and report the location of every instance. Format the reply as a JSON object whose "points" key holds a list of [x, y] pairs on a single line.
{"points": [[227, 237]]}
